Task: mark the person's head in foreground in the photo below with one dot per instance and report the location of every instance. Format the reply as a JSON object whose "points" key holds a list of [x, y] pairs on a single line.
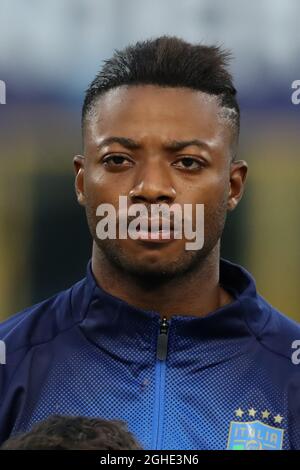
{"points": [[74, 433], [177, 342]]}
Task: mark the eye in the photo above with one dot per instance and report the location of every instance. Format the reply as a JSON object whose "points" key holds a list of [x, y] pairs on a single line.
{"points": [[116, 160], [189, 163]]}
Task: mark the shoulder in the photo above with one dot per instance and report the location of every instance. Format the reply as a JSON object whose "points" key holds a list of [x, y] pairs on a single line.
{"points": [[280, 333], [43, 321]]}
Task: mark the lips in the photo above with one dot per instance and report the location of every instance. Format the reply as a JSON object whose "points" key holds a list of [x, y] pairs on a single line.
{"points": [[156, 237], [161, 225], [159, 235]]}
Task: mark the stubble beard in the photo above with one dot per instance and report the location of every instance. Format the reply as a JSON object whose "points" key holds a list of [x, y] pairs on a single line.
{"points": [[186, 263]]}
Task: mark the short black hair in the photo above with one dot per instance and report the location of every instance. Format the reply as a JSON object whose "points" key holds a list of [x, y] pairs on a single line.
{"points": [[74, 433], [172, 62]]}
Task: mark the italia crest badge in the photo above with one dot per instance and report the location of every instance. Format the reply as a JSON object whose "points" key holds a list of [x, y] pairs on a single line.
{"points": [[255, 435]]}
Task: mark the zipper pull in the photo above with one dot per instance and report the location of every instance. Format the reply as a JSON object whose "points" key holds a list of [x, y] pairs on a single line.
{"points": [[162, 342]]}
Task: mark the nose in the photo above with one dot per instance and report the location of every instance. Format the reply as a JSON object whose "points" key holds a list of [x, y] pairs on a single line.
{"points": [[153, 185]]}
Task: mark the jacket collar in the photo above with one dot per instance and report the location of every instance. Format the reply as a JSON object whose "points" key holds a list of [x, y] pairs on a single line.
{"points": [[102, 313]]}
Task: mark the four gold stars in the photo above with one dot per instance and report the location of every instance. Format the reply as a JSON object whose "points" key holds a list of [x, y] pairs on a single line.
{"points": [[265, 414]]}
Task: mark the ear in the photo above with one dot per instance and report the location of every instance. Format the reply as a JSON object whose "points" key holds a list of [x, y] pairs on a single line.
{"points": [[238, 174], [78, 162]]}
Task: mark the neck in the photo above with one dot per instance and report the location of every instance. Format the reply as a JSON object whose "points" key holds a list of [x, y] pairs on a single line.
{"points": [[196, 294]]}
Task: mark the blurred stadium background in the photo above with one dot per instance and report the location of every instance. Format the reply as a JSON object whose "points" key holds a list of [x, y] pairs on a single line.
{"points": [[50, 51]]}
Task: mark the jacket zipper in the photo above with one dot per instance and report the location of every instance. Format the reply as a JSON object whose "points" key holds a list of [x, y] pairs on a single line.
{"points": [[160, 375], [162, 342]]}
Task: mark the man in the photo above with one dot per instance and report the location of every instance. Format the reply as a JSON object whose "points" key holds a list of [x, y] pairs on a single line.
{"points": [[74, 433], [175, 342]]}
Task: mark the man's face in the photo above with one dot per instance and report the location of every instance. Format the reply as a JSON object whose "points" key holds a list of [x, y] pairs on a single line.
{"points": [[155, 170]]}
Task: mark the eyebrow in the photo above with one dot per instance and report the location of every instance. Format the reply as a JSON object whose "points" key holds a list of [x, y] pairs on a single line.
{"points": [[124, 141], [181, 144], [173, 145]]}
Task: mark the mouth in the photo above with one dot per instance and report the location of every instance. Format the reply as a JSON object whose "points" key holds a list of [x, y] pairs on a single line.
{"points": [[159, 231], [152, 230], [161, 236], [157, 225]]}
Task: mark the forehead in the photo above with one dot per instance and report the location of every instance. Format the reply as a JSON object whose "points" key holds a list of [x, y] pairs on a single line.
{"points": [[160, 112]]}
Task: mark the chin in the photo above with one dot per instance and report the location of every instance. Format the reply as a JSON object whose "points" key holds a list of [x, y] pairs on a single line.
{"points": [[158, 272]]}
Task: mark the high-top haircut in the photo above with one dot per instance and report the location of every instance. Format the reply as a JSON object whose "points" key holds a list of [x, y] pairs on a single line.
{"points": [[169, 62]]}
